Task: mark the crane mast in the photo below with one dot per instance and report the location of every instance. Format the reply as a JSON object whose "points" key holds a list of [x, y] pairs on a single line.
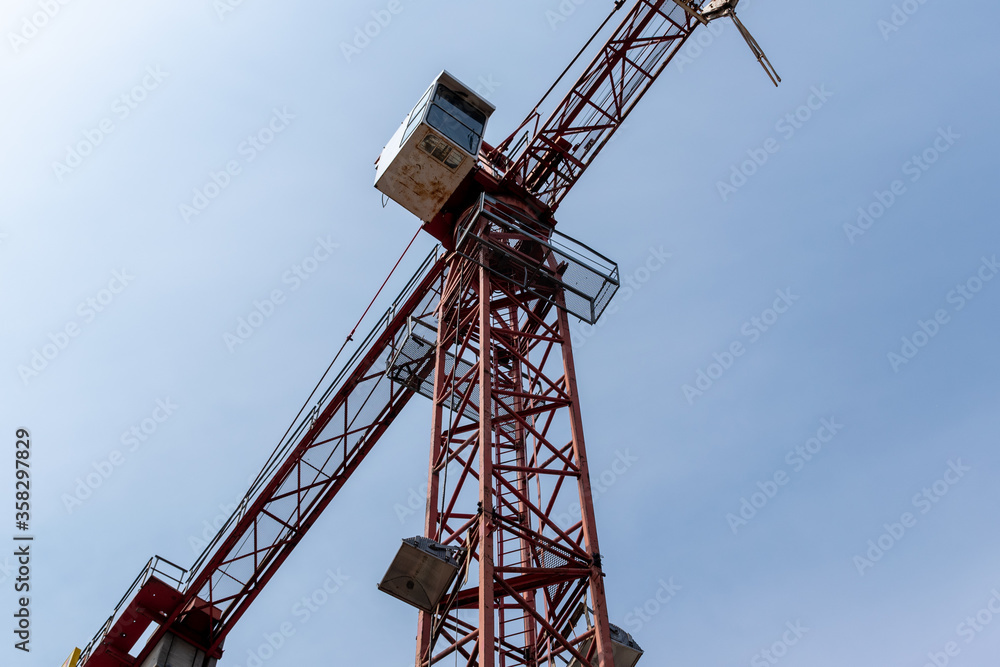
{"points": [[482, 331], [508, 454]]}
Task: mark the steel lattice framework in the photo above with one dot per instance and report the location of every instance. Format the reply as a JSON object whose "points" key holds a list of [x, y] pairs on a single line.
{"points": [[339, 425], [600, 100], [508, 465], [512, 440]]}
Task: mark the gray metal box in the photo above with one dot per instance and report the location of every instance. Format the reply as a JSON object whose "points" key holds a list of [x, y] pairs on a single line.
{"points": [[172, 651], [625, 652], [421, 573]]}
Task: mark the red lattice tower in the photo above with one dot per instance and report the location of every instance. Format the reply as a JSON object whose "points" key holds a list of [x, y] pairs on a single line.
{"points": [[507, 453]]}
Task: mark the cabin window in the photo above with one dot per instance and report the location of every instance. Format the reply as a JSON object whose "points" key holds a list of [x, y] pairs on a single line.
{"points": [[415, 116], [441, 150], [456, 119]]}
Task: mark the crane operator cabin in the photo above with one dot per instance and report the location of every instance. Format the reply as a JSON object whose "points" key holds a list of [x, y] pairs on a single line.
{"points": [[435, 148]]}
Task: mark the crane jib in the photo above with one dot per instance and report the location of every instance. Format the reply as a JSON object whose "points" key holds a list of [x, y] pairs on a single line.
{"points": [[600, 100], [320, 453]]}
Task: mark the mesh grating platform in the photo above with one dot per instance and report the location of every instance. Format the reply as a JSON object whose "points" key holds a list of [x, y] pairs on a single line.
{"points": [[413, 363], [538, 259]]}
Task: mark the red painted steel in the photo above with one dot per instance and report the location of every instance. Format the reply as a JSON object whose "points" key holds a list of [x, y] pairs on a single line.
{"points": [[321, 454], [598, 103], [508, 466], [318, 457]]}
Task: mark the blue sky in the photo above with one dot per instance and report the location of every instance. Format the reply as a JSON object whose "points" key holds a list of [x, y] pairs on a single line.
{"points": [[168, 96]]}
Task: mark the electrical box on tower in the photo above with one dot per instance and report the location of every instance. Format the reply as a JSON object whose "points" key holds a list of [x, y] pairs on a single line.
{"points": [[434, 149]]}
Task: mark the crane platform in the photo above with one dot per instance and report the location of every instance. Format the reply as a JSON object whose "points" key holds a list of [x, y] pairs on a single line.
{"points": [[154, 597]]}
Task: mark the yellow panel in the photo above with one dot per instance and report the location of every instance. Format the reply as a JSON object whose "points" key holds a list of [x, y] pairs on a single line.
{"points": [[73, 658]]}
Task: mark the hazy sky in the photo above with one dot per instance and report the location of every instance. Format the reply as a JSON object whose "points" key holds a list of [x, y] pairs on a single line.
{"points": [[792, 408]]}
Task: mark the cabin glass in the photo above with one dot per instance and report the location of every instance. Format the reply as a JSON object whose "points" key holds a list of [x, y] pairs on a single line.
{"points": [[456, 119], [415, 116]]}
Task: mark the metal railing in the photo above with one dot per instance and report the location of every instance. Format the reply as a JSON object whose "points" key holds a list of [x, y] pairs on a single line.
{"points": [[538, 258], [181, 578], [313, 406], [153, 566]]}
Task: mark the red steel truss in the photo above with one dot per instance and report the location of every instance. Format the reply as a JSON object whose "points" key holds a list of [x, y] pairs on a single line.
{"points": [[341, 423], [598, 103], [508, 436], [507, 459]]}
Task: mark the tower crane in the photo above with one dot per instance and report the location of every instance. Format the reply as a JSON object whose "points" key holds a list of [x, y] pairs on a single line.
{"points": [[482, 331]]}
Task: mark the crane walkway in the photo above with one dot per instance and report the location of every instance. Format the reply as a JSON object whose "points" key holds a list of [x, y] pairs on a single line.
{"points": [[336, 428]]}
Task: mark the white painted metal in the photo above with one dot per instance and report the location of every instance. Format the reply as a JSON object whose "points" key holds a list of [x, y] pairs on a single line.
{"points": [[420, 168]]}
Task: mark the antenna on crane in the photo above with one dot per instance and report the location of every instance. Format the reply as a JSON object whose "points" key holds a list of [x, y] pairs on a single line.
{"points": [[719, 8]]}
